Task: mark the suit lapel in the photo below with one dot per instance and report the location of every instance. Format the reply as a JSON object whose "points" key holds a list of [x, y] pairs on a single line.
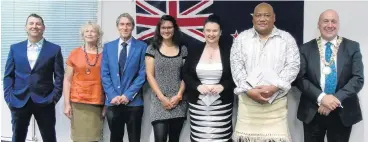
{"points": [[316, 61], [132, 49], [114, 53], [340, 60], [24, 55], [43, 53], [223, 60]]}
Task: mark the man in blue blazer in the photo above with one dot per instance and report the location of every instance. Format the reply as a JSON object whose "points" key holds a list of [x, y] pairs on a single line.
{"points": [[123, 75], [33, 82]]}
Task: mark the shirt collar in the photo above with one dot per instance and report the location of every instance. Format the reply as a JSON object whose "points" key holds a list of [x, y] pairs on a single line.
{"points": [[129, 41], [333, 41], [38, 44], [275, 32]]}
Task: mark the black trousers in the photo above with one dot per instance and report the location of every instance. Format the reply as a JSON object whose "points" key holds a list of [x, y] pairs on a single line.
{"points": [[316, 130], [170, 127], [44, 115], [118, 116]]}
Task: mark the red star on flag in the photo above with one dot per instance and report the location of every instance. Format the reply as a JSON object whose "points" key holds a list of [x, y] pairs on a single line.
{"points": [[235, 35]]}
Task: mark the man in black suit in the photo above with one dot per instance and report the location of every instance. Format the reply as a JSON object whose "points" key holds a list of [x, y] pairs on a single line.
{"points": [[330, 77]]}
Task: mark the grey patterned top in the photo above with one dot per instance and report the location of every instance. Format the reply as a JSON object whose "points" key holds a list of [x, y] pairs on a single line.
{"points": [[167, 75]]}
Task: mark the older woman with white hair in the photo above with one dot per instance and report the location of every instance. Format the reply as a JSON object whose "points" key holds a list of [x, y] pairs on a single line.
{"points": [[83, 95]]}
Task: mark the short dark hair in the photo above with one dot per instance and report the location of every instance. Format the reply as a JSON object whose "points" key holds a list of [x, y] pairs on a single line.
{"points": [[213, 18], [157, 38], [36, 16]]}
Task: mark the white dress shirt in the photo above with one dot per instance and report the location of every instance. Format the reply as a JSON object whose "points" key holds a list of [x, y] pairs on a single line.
{"points": [[33, 50], [279, 53], [129, 41]]}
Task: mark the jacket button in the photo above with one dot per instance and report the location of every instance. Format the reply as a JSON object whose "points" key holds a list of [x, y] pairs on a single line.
{"points": [[118, 86]]}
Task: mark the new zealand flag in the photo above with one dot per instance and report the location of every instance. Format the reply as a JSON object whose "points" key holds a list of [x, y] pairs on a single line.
{"points": [[235, 17]]}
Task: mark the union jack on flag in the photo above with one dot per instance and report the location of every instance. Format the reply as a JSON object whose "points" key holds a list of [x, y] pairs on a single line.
{"points": [[189, 19], [235, 18]]}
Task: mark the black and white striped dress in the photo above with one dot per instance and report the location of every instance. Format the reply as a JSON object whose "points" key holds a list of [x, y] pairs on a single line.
{"points": [[210, 118]]}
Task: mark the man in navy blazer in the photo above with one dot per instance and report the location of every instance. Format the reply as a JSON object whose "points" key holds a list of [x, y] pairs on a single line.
{"points": [[123, 75], [33, 82]]}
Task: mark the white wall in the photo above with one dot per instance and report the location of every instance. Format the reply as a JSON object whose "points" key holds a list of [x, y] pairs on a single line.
{"points": [[351, 16]]}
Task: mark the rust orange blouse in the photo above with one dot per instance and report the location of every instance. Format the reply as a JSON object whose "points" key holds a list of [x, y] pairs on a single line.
{"points": [[86, 84]]}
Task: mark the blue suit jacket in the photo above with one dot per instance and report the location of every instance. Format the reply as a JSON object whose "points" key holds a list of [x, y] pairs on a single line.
{"points": [[43, 84], [134, 73]]}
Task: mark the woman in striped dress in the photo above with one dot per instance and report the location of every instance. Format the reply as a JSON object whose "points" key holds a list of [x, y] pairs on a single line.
{"points": [[207, 76]]}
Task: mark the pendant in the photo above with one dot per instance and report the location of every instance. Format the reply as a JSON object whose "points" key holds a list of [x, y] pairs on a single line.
{"points": [[88, 71], [326, 70]]}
